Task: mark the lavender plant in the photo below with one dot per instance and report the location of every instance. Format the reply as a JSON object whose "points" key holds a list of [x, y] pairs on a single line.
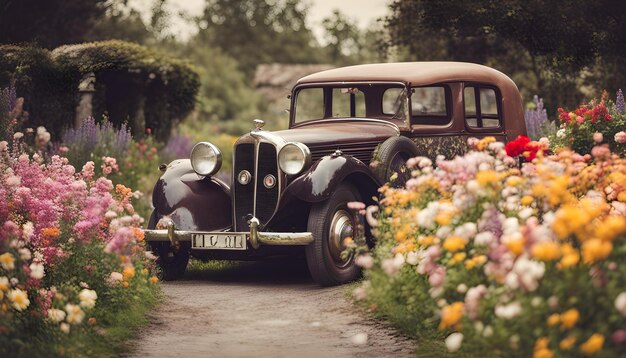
{"points": [[178, 147], [92, 141], [537, 123], [619, 102], [11, 112]]}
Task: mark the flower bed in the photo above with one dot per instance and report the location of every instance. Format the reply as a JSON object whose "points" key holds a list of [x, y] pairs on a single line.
{"points": [[74, 275], [506, 260]]}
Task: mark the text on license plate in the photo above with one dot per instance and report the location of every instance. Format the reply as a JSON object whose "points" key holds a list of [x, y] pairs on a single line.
{"points": [[221, 241]]}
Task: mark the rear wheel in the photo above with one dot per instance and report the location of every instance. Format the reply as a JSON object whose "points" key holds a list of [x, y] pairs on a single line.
{"points": [[172, 261], [331, 222]]}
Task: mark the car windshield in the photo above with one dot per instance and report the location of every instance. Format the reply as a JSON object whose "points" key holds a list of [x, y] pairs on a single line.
{"points": [[361, 101]]}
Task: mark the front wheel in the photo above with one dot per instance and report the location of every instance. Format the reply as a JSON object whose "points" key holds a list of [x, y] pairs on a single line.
{"points": [[331, 222], [171, 261]]}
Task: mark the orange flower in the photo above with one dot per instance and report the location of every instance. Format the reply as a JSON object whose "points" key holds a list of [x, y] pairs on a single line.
{"points": [[51, 232], [454, 243], [546, 251], [138, 234], [154, 279], [569, 318], [451, 315], [592, 345], [596, 250], [567, 343], [128, 272]]}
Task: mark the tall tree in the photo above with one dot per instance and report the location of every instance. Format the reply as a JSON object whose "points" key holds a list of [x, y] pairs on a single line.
{"points": [[48, 22], [259, 31]]}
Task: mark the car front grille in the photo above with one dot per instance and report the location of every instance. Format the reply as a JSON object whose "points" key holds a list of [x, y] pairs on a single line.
{"points": [[244, 195]]}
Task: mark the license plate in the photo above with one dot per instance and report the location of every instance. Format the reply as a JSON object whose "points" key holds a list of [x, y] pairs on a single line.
{"points": [[219, 241]]}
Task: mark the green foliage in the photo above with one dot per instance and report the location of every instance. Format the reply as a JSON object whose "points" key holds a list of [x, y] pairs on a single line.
{"points": [[166, 87], [36, 76], [49, 23], [255, 32]]}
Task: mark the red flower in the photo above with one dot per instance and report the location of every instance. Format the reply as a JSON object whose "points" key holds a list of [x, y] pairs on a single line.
{"points": [[517, 147]]}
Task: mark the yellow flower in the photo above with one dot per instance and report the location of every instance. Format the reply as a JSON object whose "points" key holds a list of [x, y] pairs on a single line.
{"points": [[486, 177], [19, 299], [7, 261], [451, 315], [568, 220], [426, 240], [154, 279], [454, 243], [514, 181], [456, 258], [527, 200], [516, 246], [484, 143], [593, 344], [554, 319], [475, 261], [610, 228], [444, 218], [596, 250], [128, 272], [569, 318], [4, 283], [567, 343], [546, 251], [570, 258]]}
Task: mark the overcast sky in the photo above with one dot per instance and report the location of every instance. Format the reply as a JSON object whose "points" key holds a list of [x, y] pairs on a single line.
{"points": [[364, 12]]}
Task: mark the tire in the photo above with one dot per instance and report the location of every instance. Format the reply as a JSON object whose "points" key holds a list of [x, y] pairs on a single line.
{"points": [[330, 222], [392, 156], [171, 262]]}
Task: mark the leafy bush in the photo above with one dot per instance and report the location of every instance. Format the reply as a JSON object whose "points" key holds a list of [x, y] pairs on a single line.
{"points": [[72, 258], [503, 260], [592, 123], [137, 77]]}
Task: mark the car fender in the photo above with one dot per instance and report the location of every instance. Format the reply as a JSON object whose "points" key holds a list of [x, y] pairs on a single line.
{"points": [[193, 202], [321, 179]]}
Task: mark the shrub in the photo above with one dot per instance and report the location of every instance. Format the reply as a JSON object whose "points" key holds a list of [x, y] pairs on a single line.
{"points": [[72, 258], [135, 80], [592, 123], [504, 260]]}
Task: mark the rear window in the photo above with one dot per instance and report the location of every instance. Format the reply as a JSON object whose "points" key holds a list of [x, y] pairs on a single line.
{"points": [[429, 105]]}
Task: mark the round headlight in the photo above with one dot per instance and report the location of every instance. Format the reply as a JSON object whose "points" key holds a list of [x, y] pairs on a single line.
{"points": [[206, 159], [293, 157]]}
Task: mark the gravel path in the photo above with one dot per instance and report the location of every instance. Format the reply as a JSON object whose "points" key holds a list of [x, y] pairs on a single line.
{"points": [[263, 309]]}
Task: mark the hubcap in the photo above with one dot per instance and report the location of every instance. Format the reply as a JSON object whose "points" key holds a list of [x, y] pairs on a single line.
{"points": [[341, 227]]}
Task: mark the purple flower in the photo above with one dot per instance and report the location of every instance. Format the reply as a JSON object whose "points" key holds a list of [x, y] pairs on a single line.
{"points": [[536, 119], [619, 102]]}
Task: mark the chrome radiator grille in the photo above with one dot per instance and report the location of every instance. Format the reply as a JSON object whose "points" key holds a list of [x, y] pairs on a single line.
{"points": [[254, 199]]}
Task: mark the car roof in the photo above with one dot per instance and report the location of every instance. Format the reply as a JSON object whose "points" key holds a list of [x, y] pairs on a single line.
{"points": [[414, 73]]}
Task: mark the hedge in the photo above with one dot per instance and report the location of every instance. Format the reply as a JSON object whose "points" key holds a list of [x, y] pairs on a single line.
{"points": [[128, 77]]}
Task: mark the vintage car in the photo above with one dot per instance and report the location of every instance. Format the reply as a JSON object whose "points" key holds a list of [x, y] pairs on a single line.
{"points": [[350, 130]]}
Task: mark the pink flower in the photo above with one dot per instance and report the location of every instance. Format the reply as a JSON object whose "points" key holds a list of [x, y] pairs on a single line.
{"points": [[437, 277], [600, 151], [356, 205], [598, 137], [472, 300], [365, 261], [619, 337], [620, 137]]}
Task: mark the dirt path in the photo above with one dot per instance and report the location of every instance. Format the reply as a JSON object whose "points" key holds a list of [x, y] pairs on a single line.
{"points": [[263, 309]]}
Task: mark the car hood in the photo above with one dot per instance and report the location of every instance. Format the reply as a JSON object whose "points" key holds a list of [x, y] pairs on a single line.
{"points": [[338, 132]]}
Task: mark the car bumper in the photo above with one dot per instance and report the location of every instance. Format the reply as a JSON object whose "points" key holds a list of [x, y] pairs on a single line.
{"points": [[254, 238]]}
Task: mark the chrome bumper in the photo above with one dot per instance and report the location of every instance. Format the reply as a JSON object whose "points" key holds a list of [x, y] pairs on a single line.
{"points": [[254, 237]]}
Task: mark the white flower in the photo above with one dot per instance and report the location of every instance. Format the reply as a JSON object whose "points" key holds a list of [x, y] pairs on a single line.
{"points": [[536, 301], [28, 230], [488, 332], [443, 232], [75, 314], [484, 238], [25, 254], [620, 303], [56, 315], [4, 145], [19, 299], [114, 278], [560, 133], [365, 261], [453, 341], [389, 267], [149, 255], [398, 261], [466, 230], [525, 213], [13, 181], [412, 258], [36, 271], [110, 215], [87, 298], [510, 226], [18, 135], [65, 328], [509, 311], [461, 288]]}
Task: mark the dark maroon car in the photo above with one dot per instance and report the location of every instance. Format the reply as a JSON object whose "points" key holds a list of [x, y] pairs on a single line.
{"points": [[351, 130]]}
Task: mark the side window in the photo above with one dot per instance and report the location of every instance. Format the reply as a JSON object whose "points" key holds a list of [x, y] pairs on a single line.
{"points": [[309, 104], [394, 101], [429, 105], [481, 107]]}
